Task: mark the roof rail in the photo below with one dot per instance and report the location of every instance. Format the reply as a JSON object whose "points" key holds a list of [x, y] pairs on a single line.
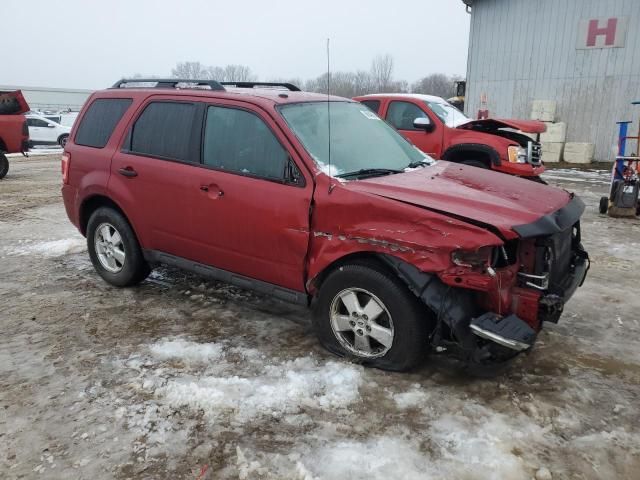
{"points": [[288, 86], [168, 83]]}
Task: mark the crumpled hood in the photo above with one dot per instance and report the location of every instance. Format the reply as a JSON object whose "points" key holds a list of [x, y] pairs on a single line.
{"points": [[488, 124], [469, 193]]}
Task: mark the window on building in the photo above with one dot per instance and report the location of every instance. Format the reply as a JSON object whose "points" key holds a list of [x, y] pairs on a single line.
{"points": [[239, 141], [164, 130], [100, 120], [402, 114]]}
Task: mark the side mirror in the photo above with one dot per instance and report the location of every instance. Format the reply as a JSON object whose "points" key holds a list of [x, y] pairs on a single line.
{"points": [[50, 125], [423, 123]]}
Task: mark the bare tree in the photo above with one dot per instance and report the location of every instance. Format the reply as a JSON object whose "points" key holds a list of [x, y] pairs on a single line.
{"points": [[437, 84], [238, 73], [191, 70], [382, 73]]}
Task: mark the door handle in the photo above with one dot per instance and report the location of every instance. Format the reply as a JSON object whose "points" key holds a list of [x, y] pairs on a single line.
{"points": [[213, 190], [128, 172]]}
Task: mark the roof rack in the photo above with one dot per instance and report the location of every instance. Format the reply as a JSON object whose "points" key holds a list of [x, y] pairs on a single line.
{"points": [[288, 86], [168, 83]]}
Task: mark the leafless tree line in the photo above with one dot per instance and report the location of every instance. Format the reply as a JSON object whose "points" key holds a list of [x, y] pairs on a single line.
{"points": [[378, 79]]}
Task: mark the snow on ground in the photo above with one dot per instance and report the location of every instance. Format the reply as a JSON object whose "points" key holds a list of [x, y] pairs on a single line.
{"points": [[181, 376], [51, 248]]}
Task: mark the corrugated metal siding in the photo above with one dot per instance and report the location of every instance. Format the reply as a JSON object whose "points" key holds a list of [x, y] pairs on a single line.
{"points": [[522, 50]]}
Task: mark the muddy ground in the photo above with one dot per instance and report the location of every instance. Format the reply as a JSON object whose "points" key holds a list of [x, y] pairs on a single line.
{"points": [[181, 378]]}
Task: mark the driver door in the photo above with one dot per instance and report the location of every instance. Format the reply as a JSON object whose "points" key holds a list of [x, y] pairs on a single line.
{"points": [[401, 114]]}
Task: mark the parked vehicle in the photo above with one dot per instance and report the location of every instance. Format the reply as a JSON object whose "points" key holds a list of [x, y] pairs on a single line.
{"points": [[14, 134], [443, 131], [43, 131], [397, 253]]}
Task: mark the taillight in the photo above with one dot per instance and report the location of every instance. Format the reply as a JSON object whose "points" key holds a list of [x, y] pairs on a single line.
{"points": [[66, 162]]}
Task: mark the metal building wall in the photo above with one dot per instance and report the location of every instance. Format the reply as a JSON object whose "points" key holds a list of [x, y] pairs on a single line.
{"points": [[525, 50], [42, 98]]}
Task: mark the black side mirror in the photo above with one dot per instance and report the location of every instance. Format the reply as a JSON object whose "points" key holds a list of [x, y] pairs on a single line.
{"points": [[293, 176], [423, 123]]}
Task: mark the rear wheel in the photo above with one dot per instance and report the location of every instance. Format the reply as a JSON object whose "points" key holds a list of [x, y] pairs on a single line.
{"points": [[114, 249], [4, 165], [369, 316]]}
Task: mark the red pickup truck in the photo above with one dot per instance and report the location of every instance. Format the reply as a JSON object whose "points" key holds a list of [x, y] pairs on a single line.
{"points": [[14, 132], [442, 131]]}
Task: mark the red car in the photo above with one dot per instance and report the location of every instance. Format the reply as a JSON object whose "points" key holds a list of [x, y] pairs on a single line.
{"points": [[14, 132], [442, 131], [317, 201]]}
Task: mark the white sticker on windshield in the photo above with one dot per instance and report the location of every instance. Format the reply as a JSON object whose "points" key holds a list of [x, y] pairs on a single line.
{"points": [[369, 114]]}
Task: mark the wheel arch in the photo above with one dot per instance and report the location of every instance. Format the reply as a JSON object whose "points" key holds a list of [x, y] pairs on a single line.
{"points": [[91, 204], [476, 151], [366, 257], [3, 146]]}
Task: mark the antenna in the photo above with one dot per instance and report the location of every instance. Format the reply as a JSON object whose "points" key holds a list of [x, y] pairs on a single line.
{"points": [[329, 114]]}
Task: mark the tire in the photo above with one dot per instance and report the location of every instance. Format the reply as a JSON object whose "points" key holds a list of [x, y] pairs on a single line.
{"points": [[4, 165], [120, 263], [604, 205], [475, 163], [62, 141], [403, 323]]}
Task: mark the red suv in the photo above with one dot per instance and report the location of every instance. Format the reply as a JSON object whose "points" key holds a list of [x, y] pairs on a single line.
{"points": [[442, 131], [315, 200], [14, 132]]}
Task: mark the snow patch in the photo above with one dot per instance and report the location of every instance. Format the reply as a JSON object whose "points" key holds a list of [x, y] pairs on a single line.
{"points": [[53, 248], [237, 383], [185, 350]]}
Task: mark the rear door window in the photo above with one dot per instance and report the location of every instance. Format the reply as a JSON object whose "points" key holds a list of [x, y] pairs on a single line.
{"points": [[100, 120], [373, 105], [164, 130], [240, 141]]}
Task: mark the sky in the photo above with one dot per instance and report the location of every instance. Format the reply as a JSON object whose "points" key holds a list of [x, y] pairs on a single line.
{"points": [[92, 43]]}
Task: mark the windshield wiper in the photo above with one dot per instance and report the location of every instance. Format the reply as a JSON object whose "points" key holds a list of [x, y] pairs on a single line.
{"points": [[419, 163], [369, 172]]}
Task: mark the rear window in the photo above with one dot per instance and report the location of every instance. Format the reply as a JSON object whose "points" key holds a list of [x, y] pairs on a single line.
{"points": [[164, 130], [100, 120]]}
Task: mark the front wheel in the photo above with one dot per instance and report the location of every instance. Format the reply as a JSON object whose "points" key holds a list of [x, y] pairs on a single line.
{"points": [[62, 141], [368, 315], [4, 165], [114, 249]]}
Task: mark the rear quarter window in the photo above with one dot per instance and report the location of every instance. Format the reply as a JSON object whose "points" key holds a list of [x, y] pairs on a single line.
{"points": [[100, 120]]}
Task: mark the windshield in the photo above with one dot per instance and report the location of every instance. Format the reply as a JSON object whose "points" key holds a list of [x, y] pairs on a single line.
{"points": [[450, 115], [360, 140]]}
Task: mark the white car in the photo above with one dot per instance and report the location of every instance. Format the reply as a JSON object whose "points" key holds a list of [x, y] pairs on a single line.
{"points": [[43, 131]]}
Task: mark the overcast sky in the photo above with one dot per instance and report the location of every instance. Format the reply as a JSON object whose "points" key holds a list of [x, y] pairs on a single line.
{"points": [[92, 43]]}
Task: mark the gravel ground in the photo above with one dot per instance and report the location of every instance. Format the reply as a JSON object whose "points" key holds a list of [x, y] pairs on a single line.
{"points": [[183, 378]]}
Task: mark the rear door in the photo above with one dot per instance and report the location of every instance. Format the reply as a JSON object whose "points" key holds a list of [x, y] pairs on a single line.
{"points": [[154, 175], [401, 114], [40, 130]]}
